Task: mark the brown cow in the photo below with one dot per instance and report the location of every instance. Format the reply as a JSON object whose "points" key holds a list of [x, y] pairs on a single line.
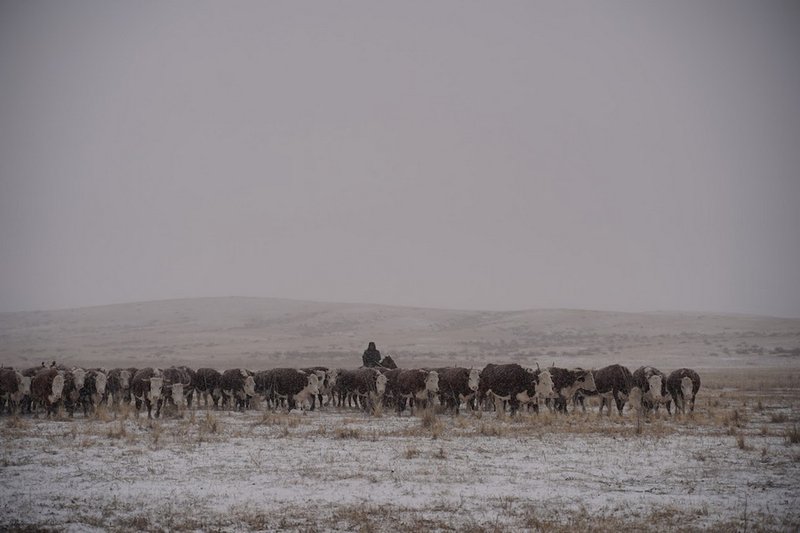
{"points": [[46, 388], [410, 386], [13, 388]]}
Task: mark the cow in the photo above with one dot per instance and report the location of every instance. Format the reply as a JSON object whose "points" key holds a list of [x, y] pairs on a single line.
{"points": [[94, 390], [13, 388], [118, 386], [208, 382], [188, 390], [612, 382], [368, 387], [682, 385], [238, 387], [510, 383], [47, 387], [177, 386], [342, 390], [410, 386], [457, 385], [327, 379], [74, 381], [652, 383], [146, 388], [566, 382], [292, 385]]}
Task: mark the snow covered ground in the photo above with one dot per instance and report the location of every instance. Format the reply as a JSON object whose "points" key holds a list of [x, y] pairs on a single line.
{"points": [[731, 465]]}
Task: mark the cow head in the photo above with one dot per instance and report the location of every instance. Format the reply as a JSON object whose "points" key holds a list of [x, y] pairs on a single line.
{"points": [[100, 380], [79, 378], [432, 382], [585, 380], [250, 384], [124, 380], [156, 384], [474, 379], [313, 384], [380, 384], [177, 394], [24, 384], [544, 388], [687, 387], [654, 383], [57, 388], [332, 375]]}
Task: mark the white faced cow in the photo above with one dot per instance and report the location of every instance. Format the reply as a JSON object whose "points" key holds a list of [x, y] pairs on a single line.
{"points": [[682, 385], [457, 385], [411, 386], [653, 385], [13, 388], [146, 389]]}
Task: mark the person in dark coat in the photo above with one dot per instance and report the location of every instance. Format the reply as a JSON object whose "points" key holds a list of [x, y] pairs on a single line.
{"points": [[372, 356]]}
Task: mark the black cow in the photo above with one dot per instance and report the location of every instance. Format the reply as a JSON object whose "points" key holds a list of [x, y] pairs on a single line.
{"points": [[238, 387], [410, 386], [146, 387], [289, 384], [457, 385], [509, 383], [612, 382], [566, 382], [208, 382], [682, 385]]}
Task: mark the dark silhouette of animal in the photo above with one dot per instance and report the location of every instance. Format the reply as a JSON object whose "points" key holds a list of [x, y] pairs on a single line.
{"points": [[238, 387], [118, 386], [612, 382], [682, 385], [13, 388], [289, 385], [208, 383], [457, 385], [411, 386], [509, 383], [94, 390]]}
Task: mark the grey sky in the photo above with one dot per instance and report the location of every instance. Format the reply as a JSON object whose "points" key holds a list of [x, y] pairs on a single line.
{"points": [[483, 155]]}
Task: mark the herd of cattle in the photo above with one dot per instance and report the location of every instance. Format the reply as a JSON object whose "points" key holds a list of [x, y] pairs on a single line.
{"points": [[499, 386]]}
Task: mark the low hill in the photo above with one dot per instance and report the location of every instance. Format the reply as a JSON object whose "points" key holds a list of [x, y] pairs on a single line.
{"points": [[268, 332]]}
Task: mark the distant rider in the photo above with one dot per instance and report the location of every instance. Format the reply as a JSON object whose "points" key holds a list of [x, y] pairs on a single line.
{"points": [[372, 357]]}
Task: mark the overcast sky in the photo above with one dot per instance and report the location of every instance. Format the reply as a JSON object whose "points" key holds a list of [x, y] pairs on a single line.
{"points": [[631, 156]]}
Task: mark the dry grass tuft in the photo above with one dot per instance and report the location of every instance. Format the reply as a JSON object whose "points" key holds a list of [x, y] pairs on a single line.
{"points": [[347, 433], [778, 418], [792, 435], [411, 452], [15, 422], [117, 431]]}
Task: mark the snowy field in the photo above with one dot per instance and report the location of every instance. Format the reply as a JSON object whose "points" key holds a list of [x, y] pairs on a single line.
{"points": [[732, 465]]}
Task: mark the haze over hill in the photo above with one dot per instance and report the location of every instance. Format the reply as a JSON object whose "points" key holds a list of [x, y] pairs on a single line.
{"points": [[267, 332]]}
